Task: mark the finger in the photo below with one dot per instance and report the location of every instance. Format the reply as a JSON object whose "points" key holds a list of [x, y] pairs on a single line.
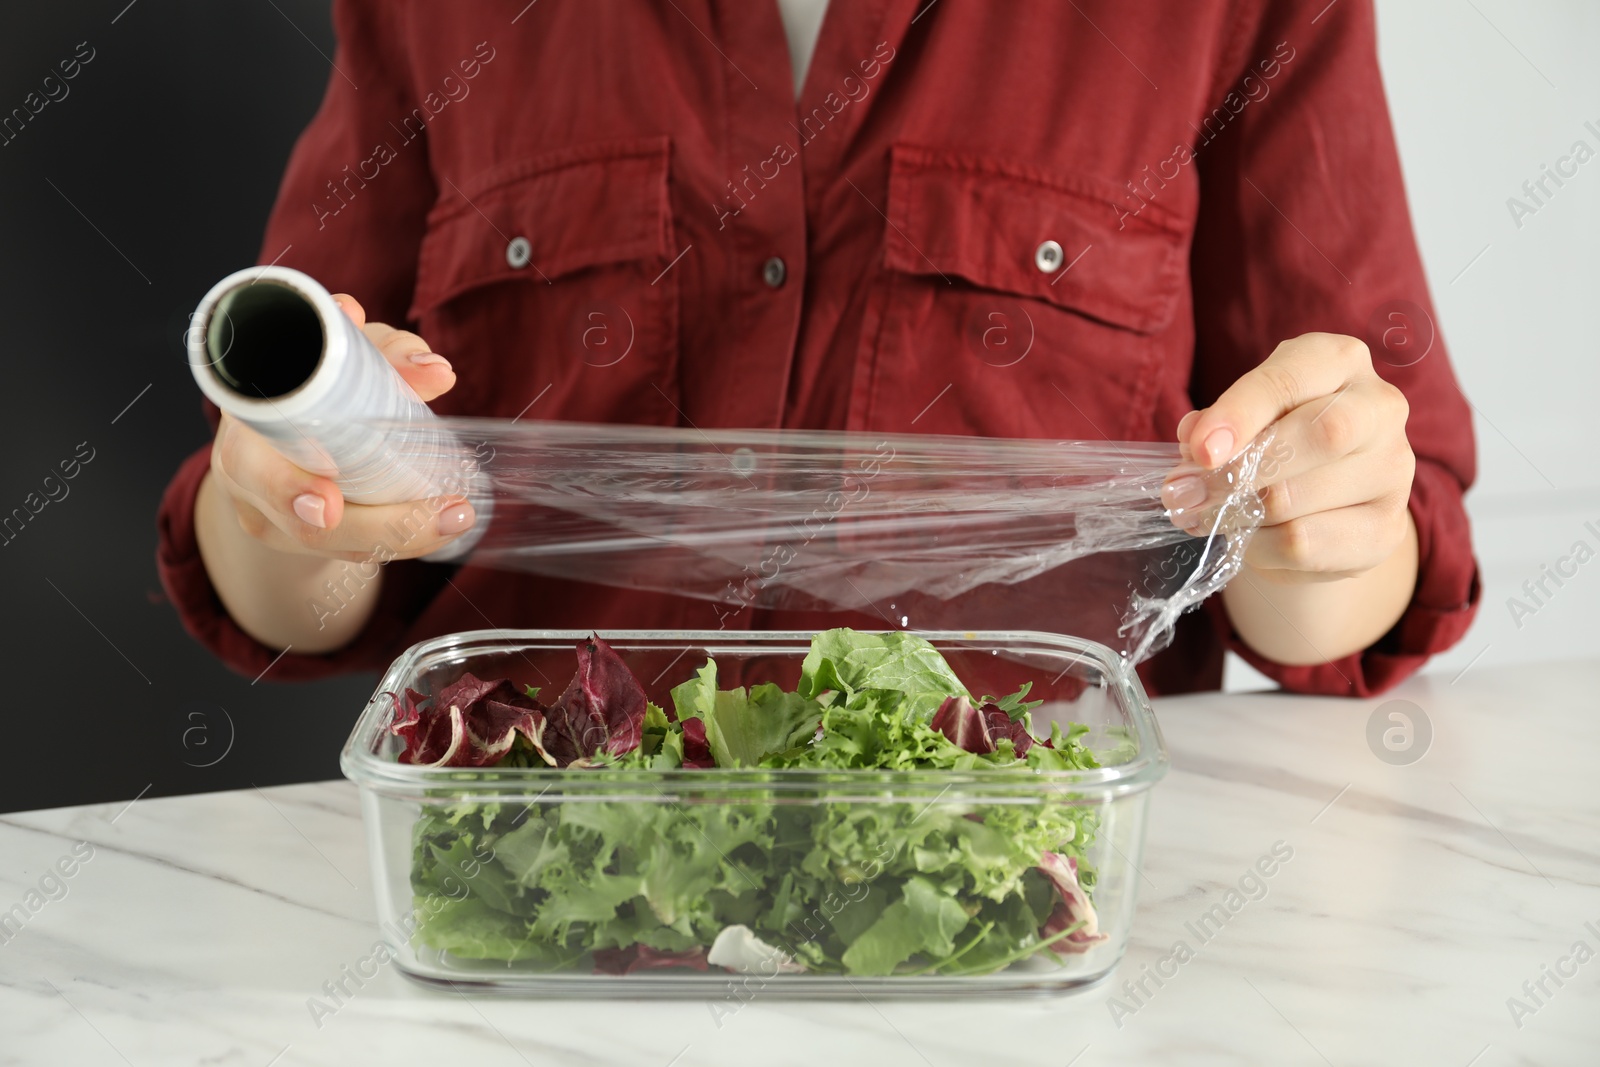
{"points": [[256, 474], [1375, 476], [428, 373], [1190, 491], [383, 531], [293, 510], [1298, 371], [1363, 478], [1366, 417], [1186, 486], [351, 307], [1329, 544]]}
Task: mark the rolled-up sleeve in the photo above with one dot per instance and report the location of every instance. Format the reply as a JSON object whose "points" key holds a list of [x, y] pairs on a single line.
{"points": [[1303, 227]]}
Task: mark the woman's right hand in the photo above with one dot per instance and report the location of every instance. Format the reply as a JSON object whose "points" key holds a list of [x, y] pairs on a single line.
{"points": [[292, 561], [292, 510]]}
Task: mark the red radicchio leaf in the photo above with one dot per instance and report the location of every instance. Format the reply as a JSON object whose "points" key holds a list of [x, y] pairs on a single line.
{"points": [[1073, 907], [427, 736], [470, 723], [602, 708], [1002, 725], [963, 724], [644, 958], [977, 729], [696, 751], [469, 689]]}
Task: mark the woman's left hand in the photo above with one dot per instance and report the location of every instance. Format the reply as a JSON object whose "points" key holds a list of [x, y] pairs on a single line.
{"points": [[1337, 479]]}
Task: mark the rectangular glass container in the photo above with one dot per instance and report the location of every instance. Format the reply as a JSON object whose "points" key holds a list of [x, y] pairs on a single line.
{"points": [[1103, 808]]}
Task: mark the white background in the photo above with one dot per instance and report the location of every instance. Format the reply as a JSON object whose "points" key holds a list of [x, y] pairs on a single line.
{"points": [[1483, 92]]}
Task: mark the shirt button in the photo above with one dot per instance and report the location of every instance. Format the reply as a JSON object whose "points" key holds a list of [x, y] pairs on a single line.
{"points": [[1047, 257], [519, 252], [773, 272]]}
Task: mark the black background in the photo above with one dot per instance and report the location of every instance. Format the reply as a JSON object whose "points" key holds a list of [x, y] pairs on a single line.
{"points": [[170, 143]]}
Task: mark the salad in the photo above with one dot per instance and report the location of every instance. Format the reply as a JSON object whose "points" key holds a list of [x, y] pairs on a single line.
{"points": [[750, 884]]}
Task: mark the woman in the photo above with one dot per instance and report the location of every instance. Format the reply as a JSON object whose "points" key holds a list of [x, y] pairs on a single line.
{"points": [[660, 212]]}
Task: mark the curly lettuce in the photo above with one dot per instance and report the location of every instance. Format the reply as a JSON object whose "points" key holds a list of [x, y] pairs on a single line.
{"points": [[830, 887]]}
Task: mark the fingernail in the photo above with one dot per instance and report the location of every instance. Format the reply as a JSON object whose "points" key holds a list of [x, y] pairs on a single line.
{"points": [[453, 520], [1185, 492], [428, 359], [1219, 446], [310, 507], [1184, 424]]}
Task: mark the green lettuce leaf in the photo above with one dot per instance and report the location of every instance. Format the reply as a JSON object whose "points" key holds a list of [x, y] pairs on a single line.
{"points": [[924, 920], [473, 930], [913, 677], [697, 697], [742, 729]]}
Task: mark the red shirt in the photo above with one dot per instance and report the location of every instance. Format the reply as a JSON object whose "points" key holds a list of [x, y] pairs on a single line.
{"points": [[1218, 177]]}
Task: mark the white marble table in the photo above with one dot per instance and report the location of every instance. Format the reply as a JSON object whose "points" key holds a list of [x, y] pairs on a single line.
{"points": [[1419, 899]]}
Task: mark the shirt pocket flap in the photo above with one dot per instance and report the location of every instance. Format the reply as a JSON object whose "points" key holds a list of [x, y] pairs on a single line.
{"points": [[540, 218], [961, 215]]}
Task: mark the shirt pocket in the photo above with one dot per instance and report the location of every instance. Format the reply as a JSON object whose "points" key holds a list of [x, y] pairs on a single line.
{"points": [[1015, 303], [541, 281]]}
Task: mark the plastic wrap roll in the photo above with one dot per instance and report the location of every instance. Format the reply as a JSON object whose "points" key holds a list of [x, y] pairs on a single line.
{"points": [[271, 347]]}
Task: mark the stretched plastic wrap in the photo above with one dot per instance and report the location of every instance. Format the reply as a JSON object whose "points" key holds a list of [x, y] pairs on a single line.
{"points": [[921, 531]]}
